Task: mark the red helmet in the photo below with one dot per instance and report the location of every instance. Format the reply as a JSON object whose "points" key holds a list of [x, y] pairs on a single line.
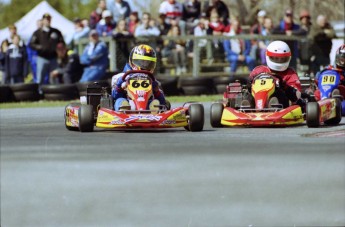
{"points": [[340, 57], [143, 57]]}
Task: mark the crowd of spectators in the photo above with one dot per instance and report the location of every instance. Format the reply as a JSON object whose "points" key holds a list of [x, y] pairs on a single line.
{"points": [[52, 61]]}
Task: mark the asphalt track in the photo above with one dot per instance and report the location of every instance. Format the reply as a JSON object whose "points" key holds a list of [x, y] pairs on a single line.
{"points": [[217, 177]]}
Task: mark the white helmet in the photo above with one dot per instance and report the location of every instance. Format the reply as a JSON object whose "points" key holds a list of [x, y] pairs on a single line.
{"points": [[278, 56]]}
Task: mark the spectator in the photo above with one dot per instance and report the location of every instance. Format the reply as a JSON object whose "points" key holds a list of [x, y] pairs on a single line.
{"points": [[3, 50], [16, 61], [199, 30], [305, 26], [94, 58], [321, 36], [304, 45], [191, 14], [216, 28], [175, 50], [81, 31], [220, 7], [44, 41], [120, 9], [287, 27], [32, 57], [163, 26], [122, 37], [133, 22], [256, 29], [69, 70], [266, 30], [237, 50], [106, 25], [173, 11], [96, 15], [145, 28], [13, 32]]}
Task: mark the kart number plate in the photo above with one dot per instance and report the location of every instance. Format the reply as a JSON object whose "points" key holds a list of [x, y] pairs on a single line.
{"points": [[328, 80]]}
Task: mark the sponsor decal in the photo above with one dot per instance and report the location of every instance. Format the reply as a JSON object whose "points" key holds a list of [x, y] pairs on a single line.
{"points": [[260, 106], [117, 122], [149, 117], [140, 94], [169, 122]]}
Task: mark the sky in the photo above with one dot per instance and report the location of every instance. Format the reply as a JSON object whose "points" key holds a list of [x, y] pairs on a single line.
{"points": [[5, 1]]}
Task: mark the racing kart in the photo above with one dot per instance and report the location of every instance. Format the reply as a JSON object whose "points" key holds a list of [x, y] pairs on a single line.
{"points": [[331, 106], [232, 112], [99, 109]]}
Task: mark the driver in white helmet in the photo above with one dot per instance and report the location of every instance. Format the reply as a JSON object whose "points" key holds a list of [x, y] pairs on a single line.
{"points": [[278, 56]]}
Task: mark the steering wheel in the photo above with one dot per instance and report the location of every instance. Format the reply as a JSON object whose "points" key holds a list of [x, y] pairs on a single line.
{"points": [[148, 73]]}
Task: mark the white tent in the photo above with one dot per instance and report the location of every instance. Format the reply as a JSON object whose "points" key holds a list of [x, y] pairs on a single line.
{"points": [[27, 24]]}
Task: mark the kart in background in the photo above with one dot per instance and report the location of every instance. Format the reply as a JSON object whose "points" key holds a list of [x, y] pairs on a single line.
{"points": [[331, 105], [99, 109], [232, 112]]}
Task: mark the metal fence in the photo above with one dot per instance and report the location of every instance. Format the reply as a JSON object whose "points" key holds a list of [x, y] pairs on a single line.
{"points": [[205, 60]]}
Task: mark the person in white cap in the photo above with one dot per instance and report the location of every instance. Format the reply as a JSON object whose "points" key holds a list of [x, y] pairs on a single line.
{"points": [[106, 26], [256, 29]]}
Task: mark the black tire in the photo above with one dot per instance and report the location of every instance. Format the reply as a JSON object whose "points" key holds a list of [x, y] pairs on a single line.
{"points": [[59, 88], [216, 113], [25, 92], [169, 86], [313, 114], [193, 81], [69, 127], [220, 88], [6, 94], [196, 90], [337, 119], [86, 118], [60, 96], [196, 117], [26, 96]]}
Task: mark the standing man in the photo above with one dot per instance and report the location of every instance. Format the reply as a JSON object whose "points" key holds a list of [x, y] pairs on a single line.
{"points": [[44, 41]]}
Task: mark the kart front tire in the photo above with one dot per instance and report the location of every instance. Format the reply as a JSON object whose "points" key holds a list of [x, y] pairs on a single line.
{"points": [[337, 119], [216, 113], [69, 127], [196, 117], [313, 114], [86, 118]]}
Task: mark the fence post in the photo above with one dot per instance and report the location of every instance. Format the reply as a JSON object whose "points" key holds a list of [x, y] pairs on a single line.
{"points": [[196, 57], [113, 57]]}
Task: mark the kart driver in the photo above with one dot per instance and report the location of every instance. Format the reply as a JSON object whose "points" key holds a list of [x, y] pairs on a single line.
{"points": [[339, 69], [278, 56], [142, 57]]}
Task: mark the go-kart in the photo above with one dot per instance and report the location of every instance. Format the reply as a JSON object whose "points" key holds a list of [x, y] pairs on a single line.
{"points": [[99, 109], [232, 112], [331, 105]]}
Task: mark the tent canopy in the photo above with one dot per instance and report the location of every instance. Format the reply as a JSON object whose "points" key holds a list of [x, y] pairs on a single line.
{"points": [[27, 25]]}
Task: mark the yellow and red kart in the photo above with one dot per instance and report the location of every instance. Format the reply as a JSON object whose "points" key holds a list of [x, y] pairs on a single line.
{"points": [[99, 109], [232, 112]]}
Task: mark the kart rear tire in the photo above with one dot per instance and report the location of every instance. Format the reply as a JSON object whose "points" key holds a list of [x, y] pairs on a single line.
{"points": [[86, 118], [337, 119], [196, 117], [69, 127], [313, 114], [216, 113]]}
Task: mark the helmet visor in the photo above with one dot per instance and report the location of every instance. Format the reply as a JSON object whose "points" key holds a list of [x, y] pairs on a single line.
{"points": [[279, 59], [144, 62]]}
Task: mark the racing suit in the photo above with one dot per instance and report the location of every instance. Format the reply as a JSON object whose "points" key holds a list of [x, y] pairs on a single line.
{"points": [[341, 86], [119, 94], [290, 89]]}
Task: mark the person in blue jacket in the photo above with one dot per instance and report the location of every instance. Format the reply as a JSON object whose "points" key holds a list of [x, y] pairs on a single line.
{"points": [[94, 58], [142, 57]]}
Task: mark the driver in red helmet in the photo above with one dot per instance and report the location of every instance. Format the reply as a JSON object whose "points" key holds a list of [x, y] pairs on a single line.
{"points": [[142, 57], [278, 56]]}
